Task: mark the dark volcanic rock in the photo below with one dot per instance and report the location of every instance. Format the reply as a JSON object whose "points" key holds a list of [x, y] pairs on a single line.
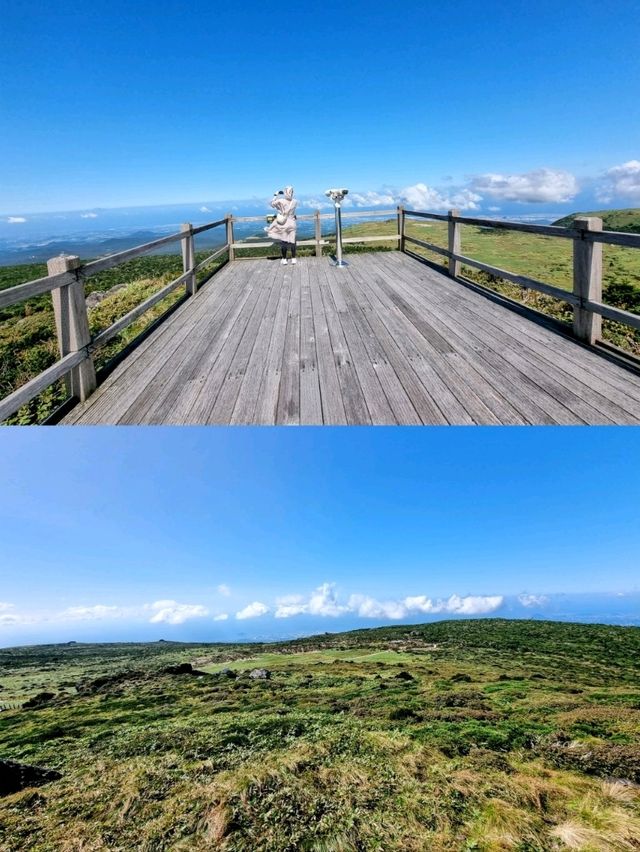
{"points": [[179, 668], [404, 676], [18, 776], [39, 700], [227, 673], [106, 683], [182, 669]]}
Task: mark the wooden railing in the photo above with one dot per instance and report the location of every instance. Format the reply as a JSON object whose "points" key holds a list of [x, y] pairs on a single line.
{"points": [[318, 240], [76, 346], [588, 238]]}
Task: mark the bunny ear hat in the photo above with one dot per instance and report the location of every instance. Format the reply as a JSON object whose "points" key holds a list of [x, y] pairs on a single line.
{"points": [[288, 191]]}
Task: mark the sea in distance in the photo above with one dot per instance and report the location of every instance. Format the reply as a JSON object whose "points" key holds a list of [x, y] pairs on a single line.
{"points": [[36, 237]]}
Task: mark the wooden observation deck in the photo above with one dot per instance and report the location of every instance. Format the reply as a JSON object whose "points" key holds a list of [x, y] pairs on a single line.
{"points": [[388, 339]]}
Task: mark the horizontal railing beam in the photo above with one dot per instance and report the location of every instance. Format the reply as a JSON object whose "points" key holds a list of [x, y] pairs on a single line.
{"points": [[211, 258], [439, 216], [437, 249], [611, 313], [12, 403], [269, 243], [202, 228], [381, 239], [522, 280], [324, 242], [346, 214], [118, 326], [122, 257], [613, 238], [13, 295], [501, 225]]}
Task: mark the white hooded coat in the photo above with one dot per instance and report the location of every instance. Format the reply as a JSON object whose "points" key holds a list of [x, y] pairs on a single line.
{"points": [[286, 205]]}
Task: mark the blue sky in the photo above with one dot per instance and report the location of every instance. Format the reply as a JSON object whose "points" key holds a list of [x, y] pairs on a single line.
{"points": [[242, 533], [482, 105]]}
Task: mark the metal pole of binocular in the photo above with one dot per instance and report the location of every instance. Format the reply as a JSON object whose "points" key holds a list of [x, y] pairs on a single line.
{"points": [[339, 260], [336, 195]]}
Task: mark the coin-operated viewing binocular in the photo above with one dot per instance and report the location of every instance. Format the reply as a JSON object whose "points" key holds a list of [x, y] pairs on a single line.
{"points": [[336, 195]]}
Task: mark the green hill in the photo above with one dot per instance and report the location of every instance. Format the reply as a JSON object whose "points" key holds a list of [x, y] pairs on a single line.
{"points": [[465, 735], [612, 220]]}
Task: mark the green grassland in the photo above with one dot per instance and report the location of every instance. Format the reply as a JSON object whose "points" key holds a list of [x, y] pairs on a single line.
{"points": [[627, 220], [465, 735]]}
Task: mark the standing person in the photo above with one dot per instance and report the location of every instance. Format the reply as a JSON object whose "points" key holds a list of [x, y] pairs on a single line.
{"points": [[283, 227]]}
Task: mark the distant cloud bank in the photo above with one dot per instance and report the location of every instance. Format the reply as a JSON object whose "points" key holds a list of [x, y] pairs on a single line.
{"points": [[324, 602], [14, 220], [538, 186], [533, 600]]}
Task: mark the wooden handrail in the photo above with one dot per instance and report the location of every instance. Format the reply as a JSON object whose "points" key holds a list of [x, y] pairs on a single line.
{"points": [[587, 236], [586, 298], [76, 350], [619, 238]]}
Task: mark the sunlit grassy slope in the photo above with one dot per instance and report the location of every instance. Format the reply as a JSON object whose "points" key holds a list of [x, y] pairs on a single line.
{"points": [[467, 735]]}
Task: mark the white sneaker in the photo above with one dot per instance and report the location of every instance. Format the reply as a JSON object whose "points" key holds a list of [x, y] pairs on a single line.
{"points": [[283, 262], [293, 260]]}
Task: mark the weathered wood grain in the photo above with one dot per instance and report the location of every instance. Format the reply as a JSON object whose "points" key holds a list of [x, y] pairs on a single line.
{"points": [[387, 339]]}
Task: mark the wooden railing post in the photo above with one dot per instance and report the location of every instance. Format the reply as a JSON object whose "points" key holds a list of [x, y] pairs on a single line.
{"points": [[318, 234], [401, 227], [188, 257], [72, 325], [232, 253], [454, 243], [587, 280]]}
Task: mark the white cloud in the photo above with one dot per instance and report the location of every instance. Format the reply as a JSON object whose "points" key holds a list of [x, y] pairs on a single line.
{"points": [[541, 185], [172, 612], [322, 601], [224, 590], [621, 182], [14, 220], [367, 607], [253, 610], [386, 198], [204, 209], [471, 604], [532, 600], [316, 204], [223, 616], [9, 617], [6, 616], [290, 605], [88, 215], [91, 613], [493, 209], [423, 197]]}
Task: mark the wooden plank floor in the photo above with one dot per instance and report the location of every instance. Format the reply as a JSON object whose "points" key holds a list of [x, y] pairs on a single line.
{"points": [[385, 340]]}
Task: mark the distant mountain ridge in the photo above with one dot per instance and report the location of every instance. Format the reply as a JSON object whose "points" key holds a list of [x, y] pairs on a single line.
{"points": [[627, 220]]}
